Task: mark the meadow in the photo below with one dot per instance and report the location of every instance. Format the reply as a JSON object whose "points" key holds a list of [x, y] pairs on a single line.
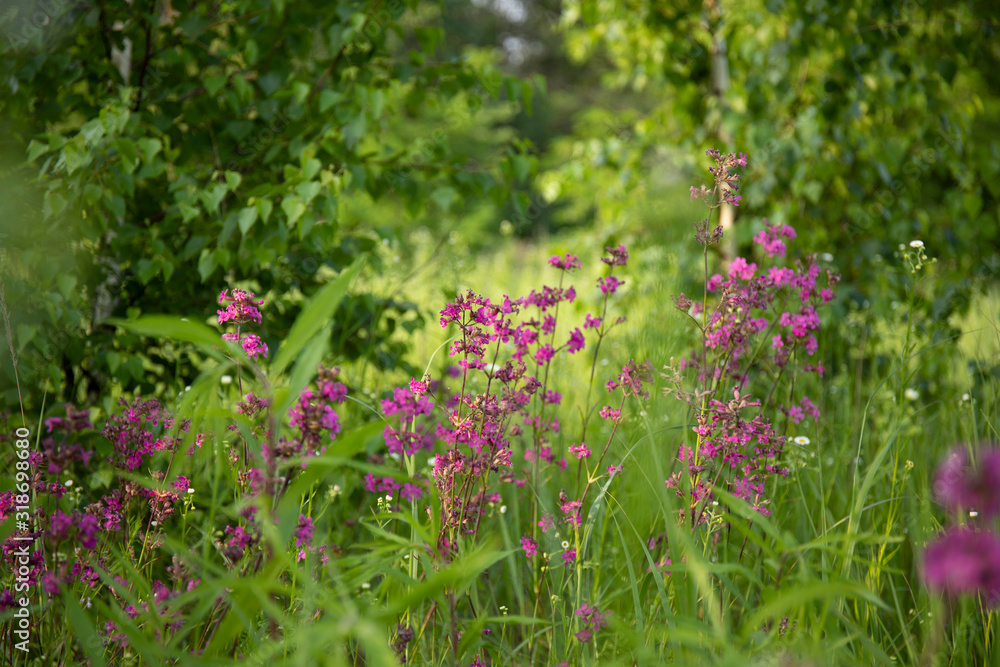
{"points": [[591, 469]]}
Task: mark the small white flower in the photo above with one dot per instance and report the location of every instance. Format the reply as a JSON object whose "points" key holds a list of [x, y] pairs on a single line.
{"points": [[916, 244], [973, 514], [366, 585], [503, 509], [187, 388], [911, 394], [965, 397], [801, 440], [226, 379], [190, 490], [388, 498], [826, 257], [432, 461], [153, 523], [902, 247], [565, 544], [69, 483], [715, 503]]}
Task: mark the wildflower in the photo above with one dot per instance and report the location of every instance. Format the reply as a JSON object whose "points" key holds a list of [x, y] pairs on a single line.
{"points": [[568, 557], [619, 256], [576, 341], [530, 547], [960, 486], [964, 561], [801, 440], [565, 263], [916, 244], [581, 450], [911, 394], [593, 621], [611, 414], [741, 269], [609, 285]]}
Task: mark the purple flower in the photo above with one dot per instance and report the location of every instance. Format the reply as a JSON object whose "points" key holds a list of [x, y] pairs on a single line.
{"points": [[565, 263], [593, 620], [530, 547], [619, 256], [964, 561], [254, 346], [740, 269], [576, 341], [961, 487], [304, 531], [544, 354], [610, 284]]}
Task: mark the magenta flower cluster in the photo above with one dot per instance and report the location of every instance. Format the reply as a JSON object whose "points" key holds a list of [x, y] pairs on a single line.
{"points": [[241, 309], [511, 345], [750, 317], [593, 621], [965, 559]]}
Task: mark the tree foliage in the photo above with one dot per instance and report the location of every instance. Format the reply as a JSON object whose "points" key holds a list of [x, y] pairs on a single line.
{"points": [[157, 152]]}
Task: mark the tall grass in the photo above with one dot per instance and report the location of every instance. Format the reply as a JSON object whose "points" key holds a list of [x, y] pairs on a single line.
{"points": [[831, 577]]}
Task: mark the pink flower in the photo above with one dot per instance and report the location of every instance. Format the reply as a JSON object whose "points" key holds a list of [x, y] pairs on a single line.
{"points": [[544, 354], [580, 450], [611, 414], [619, 256], [961, 486], [530, 547], [740, 269], [576, 341], [565, 263], [610, 284], [963, 561]]}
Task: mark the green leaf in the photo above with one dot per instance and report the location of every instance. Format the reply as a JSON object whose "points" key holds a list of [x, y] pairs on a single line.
{"points": [[113, 121], [36, 148], [264, 207], [314, 316], [246, 219], [308, 190], [188, 211], [212, 197], [67, 283], [214, 84], [76, 155], [444, 197], [526, 93], [83, 630], [171, 327], [233, 179], [328, 98], [94, 130], [206, 264], [149, 147], [25, 332], [293, 208], [129, 154]]}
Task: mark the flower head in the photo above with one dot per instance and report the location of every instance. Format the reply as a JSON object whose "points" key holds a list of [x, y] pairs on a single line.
{"points": [[960, 486], [964, 561]]}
